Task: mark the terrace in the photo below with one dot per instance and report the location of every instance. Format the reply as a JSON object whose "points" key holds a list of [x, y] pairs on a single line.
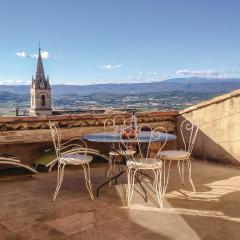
{"points": [[211, 213]]}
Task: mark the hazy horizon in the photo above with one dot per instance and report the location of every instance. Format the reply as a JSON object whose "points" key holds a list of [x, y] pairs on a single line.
{"points": [[165, 80]]}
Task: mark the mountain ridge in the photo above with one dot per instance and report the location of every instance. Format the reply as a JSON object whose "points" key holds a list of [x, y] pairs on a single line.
{"points": [[193, 84]]}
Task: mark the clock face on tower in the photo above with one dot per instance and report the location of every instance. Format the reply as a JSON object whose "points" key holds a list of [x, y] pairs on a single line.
{"points": [[42, 85]]}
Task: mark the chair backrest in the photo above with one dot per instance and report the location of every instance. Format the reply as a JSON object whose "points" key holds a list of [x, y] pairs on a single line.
{"points": [[109, 125], [56, 137], [119, 120], [113, 124], [69, 146], [189, 133], [144, 150]]}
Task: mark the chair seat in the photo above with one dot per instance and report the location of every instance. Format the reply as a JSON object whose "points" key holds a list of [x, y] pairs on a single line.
{"points": [[174, 155], [122, 153], [143, 163], [75, 159]]}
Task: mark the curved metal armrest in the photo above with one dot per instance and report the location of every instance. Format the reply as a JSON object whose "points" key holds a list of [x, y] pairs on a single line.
{"points": [[75, 150], [97, 153], [86, 151], [72, 146], [63, 145], [71, 140], [92, 150]]}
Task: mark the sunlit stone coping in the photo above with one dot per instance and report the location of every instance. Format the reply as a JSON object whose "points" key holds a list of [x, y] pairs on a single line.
{"points": [[9, 119], [216, 100]]}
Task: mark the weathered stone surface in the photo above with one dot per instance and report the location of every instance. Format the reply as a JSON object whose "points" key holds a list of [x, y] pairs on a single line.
{"points": [[219, 134], [77, 120], [36, 129], [212, 213], [74, 223]]}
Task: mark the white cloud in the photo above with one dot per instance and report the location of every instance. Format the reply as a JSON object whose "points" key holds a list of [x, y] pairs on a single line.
{"points": [[33, 55], [45, 55], [14, 82], [206, 73], [155, 74], [110, 66], [148, 77], [159, 76], [21, 54]]}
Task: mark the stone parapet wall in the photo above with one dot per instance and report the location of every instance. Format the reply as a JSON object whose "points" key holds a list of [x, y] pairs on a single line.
{"points": [[28, 137], [219, 128], [36, 129], [77, 120]]}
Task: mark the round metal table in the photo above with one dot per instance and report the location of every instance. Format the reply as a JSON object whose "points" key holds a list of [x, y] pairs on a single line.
{"points": [[115, 138]]}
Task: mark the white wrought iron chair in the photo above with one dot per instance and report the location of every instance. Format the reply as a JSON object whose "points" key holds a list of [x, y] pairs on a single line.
{"points": [[117, 124], [189, 133], [70, 154], [145, 159]]}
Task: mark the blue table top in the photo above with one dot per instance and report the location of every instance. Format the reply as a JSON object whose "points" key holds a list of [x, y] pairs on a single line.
{"points": [[112, 137]]}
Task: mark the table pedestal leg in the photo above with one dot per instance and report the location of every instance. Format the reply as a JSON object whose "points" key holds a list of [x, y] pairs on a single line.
{"points": [[114, 178]]}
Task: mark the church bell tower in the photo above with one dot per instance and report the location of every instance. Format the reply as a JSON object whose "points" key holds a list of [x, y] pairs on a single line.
{"points": [[40, 92]]}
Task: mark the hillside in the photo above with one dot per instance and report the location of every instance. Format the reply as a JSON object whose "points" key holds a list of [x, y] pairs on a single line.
{"points": [[205, 85]]}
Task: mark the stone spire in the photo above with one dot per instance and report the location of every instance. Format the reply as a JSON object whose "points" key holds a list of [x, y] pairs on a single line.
{"points": [[40, 91], [40, 75]]}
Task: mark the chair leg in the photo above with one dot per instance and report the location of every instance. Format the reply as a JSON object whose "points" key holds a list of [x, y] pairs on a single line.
{"points": [[158, 186], [166, 176], [181, 170], [109, 169], [183, 166], [88, 179], [190, 174], [59, 180], [131, 177], [111, 166], [141, 183]]}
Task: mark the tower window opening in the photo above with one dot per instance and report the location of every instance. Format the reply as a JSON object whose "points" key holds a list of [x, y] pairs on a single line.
{"points": [[43, 100]]}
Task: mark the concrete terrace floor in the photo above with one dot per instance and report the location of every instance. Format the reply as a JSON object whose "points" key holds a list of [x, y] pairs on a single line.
{"points": [[27, 210]]}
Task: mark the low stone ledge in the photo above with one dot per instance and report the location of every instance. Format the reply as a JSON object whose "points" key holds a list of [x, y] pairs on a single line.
{"points": [[81, 116], [43, 135], [28, 137], [37, 131], [77, 120]]}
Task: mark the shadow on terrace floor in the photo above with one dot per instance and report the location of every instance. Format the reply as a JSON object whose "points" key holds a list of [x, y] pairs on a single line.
{"points": [[27, 211]]}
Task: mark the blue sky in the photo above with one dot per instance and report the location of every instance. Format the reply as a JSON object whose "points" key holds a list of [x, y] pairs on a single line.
{"points": [[103, 41]]}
